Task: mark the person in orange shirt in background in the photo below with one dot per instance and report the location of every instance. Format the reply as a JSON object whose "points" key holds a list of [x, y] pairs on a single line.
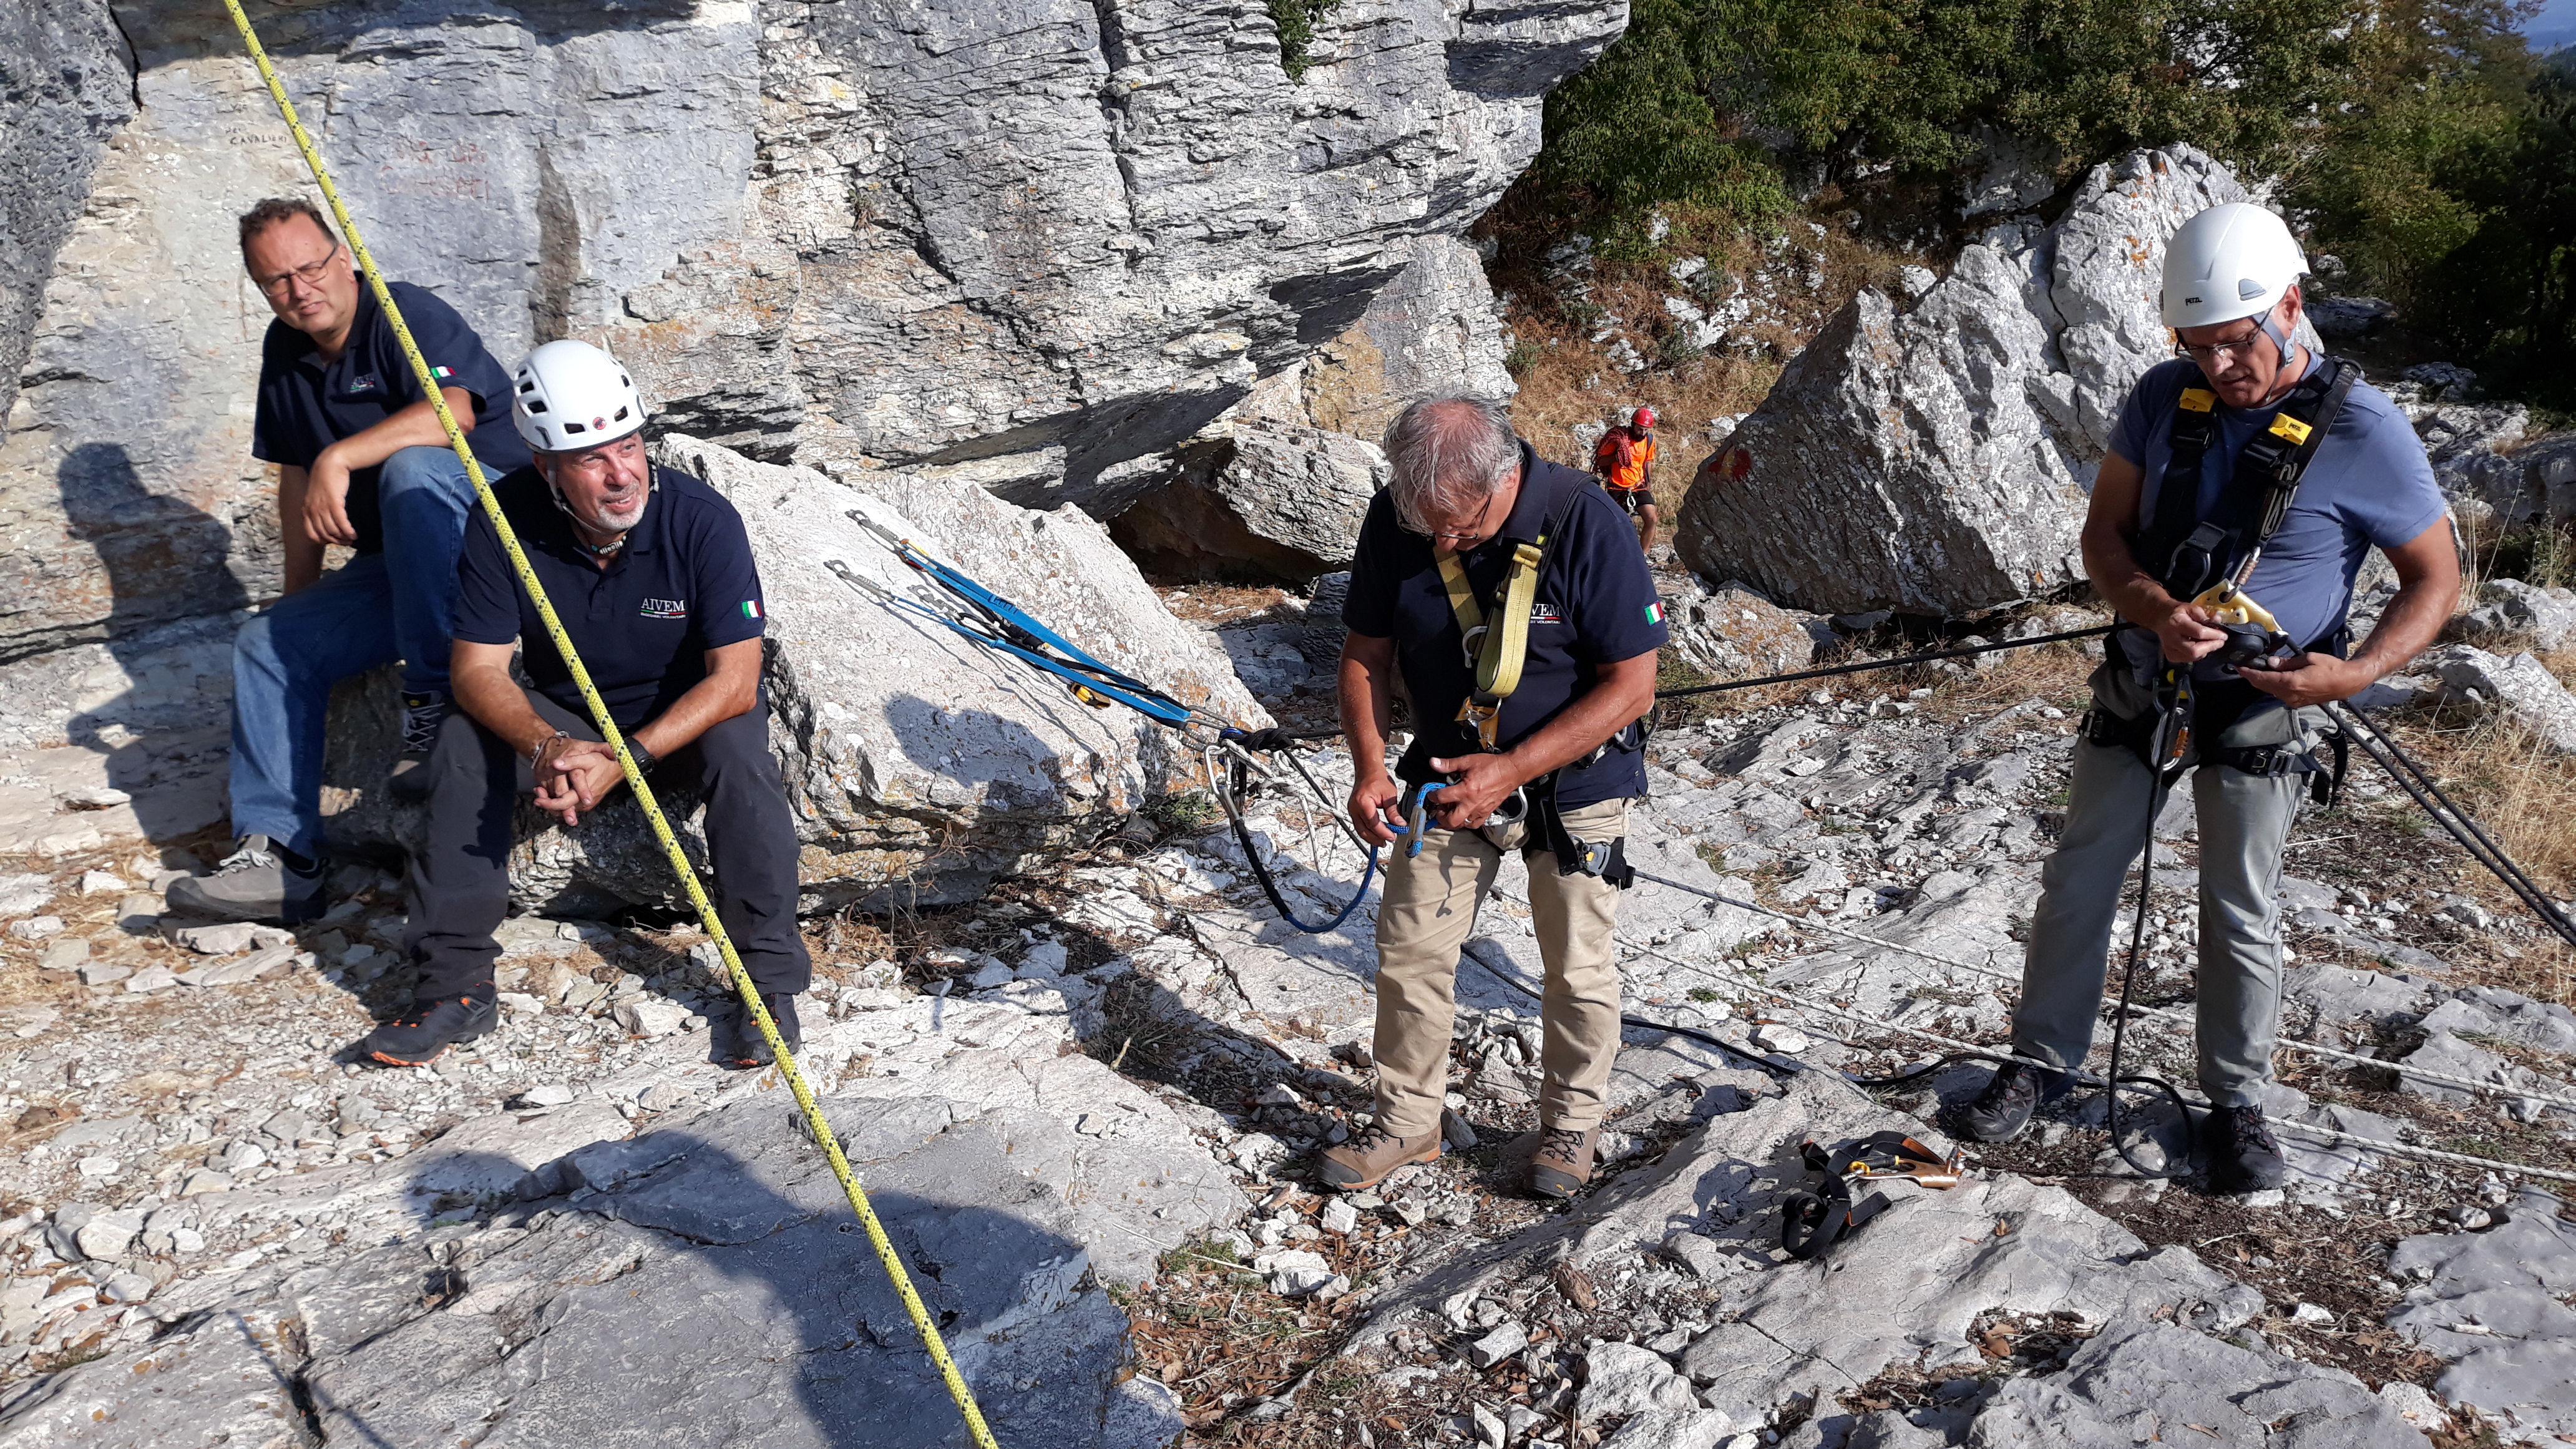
{"points": [[1625, 464]]}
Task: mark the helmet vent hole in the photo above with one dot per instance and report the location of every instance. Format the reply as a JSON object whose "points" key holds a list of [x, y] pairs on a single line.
{"points": [[536, 405], [573, 427]]}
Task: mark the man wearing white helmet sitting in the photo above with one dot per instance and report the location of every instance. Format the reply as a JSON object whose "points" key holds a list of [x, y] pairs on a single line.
{"points": [[651, 573], [2248, 463]]}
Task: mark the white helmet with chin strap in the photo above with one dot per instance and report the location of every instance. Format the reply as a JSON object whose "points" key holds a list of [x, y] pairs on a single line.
{"points": [[567, 396], [2229, 262]]}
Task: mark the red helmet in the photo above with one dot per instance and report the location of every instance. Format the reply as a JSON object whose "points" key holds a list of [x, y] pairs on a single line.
{"points": [[1644, 418]]}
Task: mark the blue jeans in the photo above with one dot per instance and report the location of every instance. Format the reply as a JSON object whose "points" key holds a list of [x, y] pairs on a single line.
{"points": [[375, 608]]}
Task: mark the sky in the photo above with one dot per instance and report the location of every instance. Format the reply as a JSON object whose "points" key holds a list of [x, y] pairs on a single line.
{"points": [[2555, 24]]}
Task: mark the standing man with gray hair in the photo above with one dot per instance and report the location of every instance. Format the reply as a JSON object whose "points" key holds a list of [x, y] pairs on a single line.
{"points": [[1509, 596]]}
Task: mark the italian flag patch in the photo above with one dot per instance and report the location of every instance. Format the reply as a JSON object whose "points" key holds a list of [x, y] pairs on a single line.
{"points": [[751, 608], [1655, 612], [442, 372]]}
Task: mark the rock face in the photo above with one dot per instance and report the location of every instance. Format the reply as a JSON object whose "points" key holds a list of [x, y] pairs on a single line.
{"points": [[1046, 238], [69, 83], [919, 764], [1435, 328], [1935, 461]]}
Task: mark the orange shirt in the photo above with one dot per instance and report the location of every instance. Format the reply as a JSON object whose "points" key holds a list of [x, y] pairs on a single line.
{"points": [[1605, 461]]}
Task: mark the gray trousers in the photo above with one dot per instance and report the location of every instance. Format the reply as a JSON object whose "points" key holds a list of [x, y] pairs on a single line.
{"points": [[2244, 823]]}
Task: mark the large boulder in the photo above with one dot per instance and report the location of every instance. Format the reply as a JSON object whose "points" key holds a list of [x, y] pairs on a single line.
{"points": [[1257, 497], [1935, 461], [919, 765]]}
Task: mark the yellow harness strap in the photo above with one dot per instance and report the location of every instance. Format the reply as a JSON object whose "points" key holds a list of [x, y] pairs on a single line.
{"points": [[977, 1432], [1498, 648]]}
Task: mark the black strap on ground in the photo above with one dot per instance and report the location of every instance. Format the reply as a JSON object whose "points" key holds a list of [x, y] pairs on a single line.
{"points": [[1899, 662]]}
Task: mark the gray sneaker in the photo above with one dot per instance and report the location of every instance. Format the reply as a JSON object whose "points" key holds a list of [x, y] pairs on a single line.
{"points": [[254, 883]]}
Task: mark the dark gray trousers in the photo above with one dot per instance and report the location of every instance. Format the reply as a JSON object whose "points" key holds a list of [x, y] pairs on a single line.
{"points": [[460, 878]]}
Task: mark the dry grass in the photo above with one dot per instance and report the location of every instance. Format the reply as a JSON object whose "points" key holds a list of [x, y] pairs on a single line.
{"points": [[1566, 377], [2522, 794]]}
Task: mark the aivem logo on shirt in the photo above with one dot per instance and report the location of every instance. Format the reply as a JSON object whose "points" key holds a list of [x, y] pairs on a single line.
{"points": [[666, 609], [1546, 613]]}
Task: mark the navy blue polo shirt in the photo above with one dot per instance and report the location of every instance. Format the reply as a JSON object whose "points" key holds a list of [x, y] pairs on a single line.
{"points": [[306, 405], [1596, 605], [683, 584]]}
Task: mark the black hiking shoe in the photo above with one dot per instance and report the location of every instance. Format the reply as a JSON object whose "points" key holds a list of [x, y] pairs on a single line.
{"points": [[424, 1032], [2003, 1109], [740, 1045], [422, 715], [258, 882], [2243, 1154]]}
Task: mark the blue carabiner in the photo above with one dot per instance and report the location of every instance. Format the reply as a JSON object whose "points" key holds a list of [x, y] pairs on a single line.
{"points": [[1415, 809]]}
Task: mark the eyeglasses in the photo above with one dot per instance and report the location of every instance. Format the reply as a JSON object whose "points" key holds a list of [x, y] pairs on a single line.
{"points": [[1437, 535], [2209, 354], [310, 274]]}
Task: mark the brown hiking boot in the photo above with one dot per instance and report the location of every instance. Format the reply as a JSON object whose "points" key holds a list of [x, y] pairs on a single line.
{"points": [[1370, 1154], [1563, 1162]]}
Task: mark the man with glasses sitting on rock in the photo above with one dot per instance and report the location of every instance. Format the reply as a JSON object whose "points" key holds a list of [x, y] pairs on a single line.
{"points": [[363, 462]]}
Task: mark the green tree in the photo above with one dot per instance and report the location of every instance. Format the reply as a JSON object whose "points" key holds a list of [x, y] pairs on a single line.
{"points": [[1675, 111]]}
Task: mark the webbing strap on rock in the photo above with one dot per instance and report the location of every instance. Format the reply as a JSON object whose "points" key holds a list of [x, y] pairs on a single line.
{"points": [[758, 1012]]}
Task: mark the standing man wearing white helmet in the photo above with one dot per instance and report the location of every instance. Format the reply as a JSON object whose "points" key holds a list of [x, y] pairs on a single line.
{"points": [[651, 572], [2253, 462], [362, 461]]}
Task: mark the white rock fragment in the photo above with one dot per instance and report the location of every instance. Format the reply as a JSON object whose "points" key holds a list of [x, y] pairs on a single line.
{"points": [[647, 1016]]}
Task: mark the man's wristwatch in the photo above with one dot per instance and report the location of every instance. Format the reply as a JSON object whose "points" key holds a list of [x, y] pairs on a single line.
{"points": [[644, 758]]}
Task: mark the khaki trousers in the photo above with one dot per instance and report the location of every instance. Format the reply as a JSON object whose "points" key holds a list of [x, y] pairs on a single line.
{"points": [[1427, 914]]}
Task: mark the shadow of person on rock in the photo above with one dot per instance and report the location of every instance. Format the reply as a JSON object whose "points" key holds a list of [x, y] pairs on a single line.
{"points": [[713, 1285], [172, 597]]}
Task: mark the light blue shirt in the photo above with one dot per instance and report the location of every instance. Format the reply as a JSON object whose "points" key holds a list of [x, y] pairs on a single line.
{"points": [[2369, 484]]}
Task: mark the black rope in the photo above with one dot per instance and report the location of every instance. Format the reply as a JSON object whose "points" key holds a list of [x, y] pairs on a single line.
{"points": [[1230, 795], [2156, 795], [1897, 663], [2457, 823], [1777, 1066]]}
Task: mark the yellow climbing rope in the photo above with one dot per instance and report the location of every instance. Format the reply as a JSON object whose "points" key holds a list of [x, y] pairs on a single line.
{"points": [[759, 1013]]}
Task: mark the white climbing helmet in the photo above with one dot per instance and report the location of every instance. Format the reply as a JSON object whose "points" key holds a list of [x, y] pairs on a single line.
{"points": [[567, 396], [2228, 262]]}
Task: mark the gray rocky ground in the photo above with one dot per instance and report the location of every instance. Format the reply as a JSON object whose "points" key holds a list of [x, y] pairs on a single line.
{"points": [[220, 1227]]}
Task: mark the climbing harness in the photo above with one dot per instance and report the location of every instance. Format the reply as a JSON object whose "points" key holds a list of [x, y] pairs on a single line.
{"points": [[758, 1012], [1813, 1220], [1497, 647]]}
